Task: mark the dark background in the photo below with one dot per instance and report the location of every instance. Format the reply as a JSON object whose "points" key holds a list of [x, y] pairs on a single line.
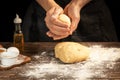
{"points": [[9, 9]]}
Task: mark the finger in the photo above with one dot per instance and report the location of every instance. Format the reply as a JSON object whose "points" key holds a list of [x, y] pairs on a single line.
{"points": [[59, 37], [49, 34], [57, 12], [57, 29], [56, 37], [56, 21]]}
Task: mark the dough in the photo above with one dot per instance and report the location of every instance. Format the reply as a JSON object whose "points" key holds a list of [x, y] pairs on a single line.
{"points": [[71, 52], [64, 18]]}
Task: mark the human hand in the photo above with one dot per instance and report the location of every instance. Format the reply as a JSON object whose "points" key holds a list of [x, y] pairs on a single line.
{"points": [[73, 11], [56, 26], [56, 37], [64, 18]]}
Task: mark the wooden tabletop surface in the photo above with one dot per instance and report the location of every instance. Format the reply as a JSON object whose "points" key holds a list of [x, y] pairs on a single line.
{"points": [[36, 48]]}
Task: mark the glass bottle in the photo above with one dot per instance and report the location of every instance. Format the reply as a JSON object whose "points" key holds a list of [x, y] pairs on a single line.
{"points": [[18, 40]]}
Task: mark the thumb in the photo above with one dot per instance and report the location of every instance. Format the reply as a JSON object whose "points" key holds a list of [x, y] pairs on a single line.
{"points": [[57, 12]]}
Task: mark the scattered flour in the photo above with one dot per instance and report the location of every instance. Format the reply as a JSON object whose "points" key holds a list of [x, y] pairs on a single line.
{"points": [[101, 60]]}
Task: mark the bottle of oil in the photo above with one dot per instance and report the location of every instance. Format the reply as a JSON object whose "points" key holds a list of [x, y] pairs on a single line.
{"points": [[18, 40]]}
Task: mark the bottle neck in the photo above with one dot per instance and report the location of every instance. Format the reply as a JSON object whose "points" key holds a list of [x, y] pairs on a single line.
{"points": [[18, 28]]}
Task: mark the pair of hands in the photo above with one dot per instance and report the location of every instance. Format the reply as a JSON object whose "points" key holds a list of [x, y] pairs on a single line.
{"points": [[58, 29]]}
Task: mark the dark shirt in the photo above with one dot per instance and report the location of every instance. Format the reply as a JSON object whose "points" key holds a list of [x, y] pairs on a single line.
{"points": [[95, 24]]}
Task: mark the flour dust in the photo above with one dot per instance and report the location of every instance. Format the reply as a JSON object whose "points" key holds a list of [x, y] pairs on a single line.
{"points": [[102, 60]]}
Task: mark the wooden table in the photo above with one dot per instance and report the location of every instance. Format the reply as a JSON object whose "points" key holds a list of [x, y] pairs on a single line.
{"points": [[34, 48]]}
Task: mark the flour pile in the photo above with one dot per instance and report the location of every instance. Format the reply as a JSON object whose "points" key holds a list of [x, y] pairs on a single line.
{"points": [[101, 60]]}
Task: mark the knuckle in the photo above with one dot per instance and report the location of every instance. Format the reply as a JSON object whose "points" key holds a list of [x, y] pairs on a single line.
{"points": [[53, 19]]}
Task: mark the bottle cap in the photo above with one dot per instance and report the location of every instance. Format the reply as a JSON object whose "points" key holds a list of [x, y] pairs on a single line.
{"points": [[17, 19]]}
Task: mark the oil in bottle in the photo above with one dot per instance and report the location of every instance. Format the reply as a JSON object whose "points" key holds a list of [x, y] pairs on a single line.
{"points": [[18, 40]]}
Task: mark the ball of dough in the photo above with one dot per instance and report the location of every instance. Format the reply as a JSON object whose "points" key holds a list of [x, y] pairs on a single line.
{"points": [[64, 18], [71, 52]]}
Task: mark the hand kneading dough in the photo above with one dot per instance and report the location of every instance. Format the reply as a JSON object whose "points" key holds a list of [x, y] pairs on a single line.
{"points": [[64, 18], [71, 52]]}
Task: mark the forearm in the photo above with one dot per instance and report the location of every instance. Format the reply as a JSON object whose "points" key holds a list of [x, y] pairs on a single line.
{"points": [[47, 4], [80, 3]]}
